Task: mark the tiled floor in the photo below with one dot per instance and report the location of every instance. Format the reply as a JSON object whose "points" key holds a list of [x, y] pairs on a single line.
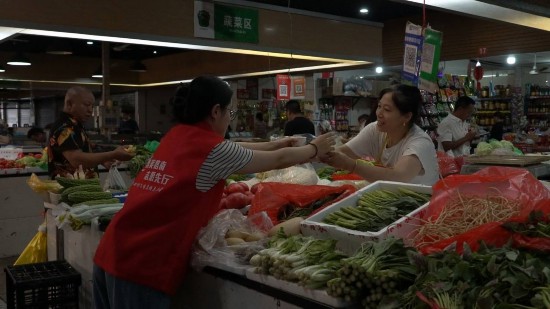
{"points": [[3, 263]]}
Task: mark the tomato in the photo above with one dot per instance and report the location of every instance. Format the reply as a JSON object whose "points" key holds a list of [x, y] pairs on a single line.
{"points": [[234, 188], [223, 203], [38, 156], [244, 186], [236, 200]]}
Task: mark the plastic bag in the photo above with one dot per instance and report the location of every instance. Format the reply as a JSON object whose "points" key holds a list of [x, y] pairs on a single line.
{"points": [[512, 183], [447, 164], [273, 197], [40, 186], [302, 174], [211, 246], [114, 181], [36, 251]]}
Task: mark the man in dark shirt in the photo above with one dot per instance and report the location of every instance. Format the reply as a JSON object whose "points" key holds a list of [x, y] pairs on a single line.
{"points": [[127, 124], [297, 123], [69, 146]]}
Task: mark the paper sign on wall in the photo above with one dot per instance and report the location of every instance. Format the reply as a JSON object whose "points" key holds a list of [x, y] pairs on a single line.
{"points": [[299, 87], [283, 87]]}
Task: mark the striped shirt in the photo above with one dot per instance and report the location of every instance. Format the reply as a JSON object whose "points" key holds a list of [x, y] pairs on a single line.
{"points": [[225, 159]]}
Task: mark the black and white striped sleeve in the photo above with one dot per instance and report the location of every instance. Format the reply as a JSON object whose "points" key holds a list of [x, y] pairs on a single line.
{"points": [[225, 159]]}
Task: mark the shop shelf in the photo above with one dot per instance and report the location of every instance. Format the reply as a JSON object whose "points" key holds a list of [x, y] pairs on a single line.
{"points": [[42, 285], [350, 240]]}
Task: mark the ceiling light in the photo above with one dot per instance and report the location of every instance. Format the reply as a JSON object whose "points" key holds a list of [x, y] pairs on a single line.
{"points": [[364, 11], [90, 43], [154, 52], [138, 66], [19, 59], [2, 70], [60, 47], [379, 70], [511, 60], [98, 73]]}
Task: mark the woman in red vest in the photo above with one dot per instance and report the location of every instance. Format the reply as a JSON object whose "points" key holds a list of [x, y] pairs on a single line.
{"points": [[144, 253]]}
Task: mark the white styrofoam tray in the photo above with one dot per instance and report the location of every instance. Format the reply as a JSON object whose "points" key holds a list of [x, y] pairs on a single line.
{"points": [[320, 296], [350, 240]]}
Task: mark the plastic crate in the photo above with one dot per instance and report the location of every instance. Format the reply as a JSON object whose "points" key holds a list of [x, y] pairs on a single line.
{"points": [[42, 285], [350, 240]]}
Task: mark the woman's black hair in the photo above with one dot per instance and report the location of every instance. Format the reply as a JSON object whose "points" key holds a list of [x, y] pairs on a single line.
{"points": [[407, 99], [193, 103]]}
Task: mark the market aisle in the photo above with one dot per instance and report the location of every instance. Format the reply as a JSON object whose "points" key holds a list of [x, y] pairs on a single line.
{"points": [[3, 263]]}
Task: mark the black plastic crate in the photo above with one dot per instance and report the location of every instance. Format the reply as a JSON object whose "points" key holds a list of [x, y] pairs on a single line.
{"points": [[42, 285]]}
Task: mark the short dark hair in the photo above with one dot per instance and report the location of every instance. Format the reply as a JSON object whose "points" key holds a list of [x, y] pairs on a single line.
{"points": [[363, 117], [34, 131], [406, 98], [293, 106], [463, 102], [192, 103]]}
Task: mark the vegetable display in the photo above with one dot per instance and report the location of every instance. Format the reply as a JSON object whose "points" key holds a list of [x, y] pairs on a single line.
{"points": [[377, 209], [138, 162], [464, 213], [378, 273], [308, 261]]}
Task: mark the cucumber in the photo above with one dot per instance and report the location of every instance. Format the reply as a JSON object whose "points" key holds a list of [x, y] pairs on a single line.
{"points": [[68, 182], [84, 188], [79, 197], [98, 202]]}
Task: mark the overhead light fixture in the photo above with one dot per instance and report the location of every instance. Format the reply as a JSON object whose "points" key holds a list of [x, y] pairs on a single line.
{"points": [[379, 70], [19, 59], [2, 70], [139, 67], [98, 73], [90, 43], [60, 47], [511, 60], [364, 11]]}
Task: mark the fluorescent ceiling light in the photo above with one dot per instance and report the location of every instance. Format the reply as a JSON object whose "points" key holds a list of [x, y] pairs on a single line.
{"points": [[19, 59], [364, 11], [2, 70], [181, 45]]}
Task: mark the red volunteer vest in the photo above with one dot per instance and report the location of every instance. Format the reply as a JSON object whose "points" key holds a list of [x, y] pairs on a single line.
{"points": [[149, 241]]}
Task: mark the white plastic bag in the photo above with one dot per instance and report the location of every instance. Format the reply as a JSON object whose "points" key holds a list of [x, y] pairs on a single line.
{"points": [[114, 181]]}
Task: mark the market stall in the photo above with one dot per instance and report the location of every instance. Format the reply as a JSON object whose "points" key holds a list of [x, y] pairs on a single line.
{"points": [[345, 259]]}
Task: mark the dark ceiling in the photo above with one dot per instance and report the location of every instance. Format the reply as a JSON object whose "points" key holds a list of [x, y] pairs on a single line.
{"points": [[379, 11]]}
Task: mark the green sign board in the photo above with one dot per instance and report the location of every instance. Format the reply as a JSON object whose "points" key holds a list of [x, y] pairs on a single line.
{"points": [[224, 22], [236, 24]]}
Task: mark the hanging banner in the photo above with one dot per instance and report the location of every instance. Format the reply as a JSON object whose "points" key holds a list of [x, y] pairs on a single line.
{"points": [[283, 87], [298, 87], [411, 56], [429, 64], [222, 22]]}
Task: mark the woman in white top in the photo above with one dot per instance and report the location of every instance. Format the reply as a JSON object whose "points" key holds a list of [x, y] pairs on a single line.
{"points": [[402, 150]]}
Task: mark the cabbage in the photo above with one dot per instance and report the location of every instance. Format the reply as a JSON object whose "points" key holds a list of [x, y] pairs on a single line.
{"points": [[507, 145], [495, 144], [483, 149]]}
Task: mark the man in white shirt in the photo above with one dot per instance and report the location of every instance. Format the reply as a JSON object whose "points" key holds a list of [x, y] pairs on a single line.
{"points": [[454, 134]]}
